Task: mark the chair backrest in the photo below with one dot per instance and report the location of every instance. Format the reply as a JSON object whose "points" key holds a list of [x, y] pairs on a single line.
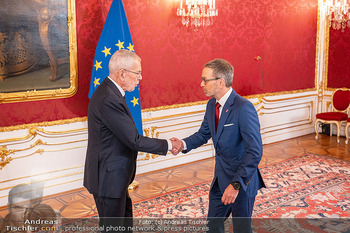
{"points": [[341, 99]]}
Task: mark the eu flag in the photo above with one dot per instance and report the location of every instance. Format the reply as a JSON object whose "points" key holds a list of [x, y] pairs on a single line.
{"points": [[115, 36]]}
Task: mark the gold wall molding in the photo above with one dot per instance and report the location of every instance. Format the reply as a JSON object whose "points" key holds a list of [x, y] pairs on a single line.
{"points": [[261, 98], [325, 86], [292, 122], [42, 124], [171, 116], [309, 119], [169, 131], [292, 131], [259, 109], [6, 158], [33, 132], [289, 127], [153, 128], [178, 124], [258, 96], [149, 132], [264, 100], [285, 106], [317, 42], [5, 153]]}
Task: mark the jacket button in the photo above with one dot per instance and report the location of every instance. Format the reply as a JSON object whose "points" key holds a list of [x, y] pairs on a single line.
{"points": [[218, 154]]}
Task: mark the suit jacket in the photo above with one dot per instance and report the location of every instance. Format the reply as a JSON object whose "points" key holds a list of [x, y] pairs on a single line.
{"points": [[113, 143], [237, 143]]}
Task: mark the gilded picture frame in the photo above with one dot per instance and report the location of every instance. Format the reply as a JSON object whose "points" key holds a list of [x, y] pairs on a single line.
{"points": [[38, 51]]}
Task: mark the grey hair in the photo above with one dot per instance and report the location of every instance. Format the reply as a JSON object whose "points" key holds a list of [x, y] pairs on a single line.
{"points": [[222, 69], [122, 59]]}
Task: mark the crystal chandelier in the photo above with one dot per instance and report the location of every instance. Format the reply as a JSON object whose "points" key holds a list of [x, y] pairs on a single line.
{"points": [[197, 12], [338, 14]]}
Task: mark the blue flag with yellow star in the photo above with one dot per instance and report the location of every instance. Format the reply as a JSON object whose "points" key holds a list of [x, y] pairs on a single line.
{"points": [[115, 36]]}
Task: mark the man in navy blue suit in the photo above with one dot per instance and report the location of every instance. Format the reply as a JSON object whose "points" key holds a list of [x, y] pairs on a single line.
{"points": [[233, 124]]}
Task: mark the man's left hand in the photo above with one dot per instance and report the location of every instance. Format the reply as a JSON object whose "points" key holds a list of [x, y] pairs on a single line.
{"points": [[230, 195]]}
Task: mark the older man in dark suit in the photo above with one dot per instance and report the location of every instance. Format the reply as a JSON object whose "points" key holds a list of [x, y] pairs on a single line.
{"points": [[113, 140]]}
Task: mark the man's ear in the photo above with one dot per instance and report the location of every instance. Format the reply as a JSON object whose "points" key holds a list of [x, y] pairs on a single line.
{"points": [[222, 83], [122, 74]]}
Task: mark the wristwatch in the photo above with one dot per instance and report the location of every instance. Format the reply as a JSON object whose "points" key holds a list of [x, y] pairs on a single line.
{"points": [[236, 185]]}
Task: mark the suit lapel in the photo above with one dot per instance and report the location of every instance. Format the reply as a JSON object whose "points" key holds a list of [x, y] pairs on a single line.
{"points": [[117, 93], [226, 110]]}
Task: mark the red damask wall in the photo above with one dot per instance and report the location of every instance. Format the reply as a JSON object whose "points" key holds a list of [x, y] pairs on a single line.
{"points": [[338, 59], [282, 33]]}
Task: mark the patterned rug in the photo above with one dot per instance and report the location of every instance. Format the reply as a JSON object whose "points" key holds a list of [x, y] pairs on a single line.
{"points": [[308, 186], [309, 193]]}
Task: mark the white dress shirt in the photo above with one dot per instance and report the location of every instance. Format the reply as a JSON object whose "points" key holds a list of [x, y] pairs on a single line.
{"points": [[222, 102]]}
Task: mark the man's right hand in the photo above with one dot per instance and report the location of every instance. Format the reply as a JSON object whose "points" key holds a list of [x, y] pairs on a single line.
{"points": [[177, 145]]}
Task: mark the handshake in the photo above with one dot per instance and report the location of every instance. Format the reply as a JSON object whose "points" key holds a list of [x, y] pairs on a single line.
{"points": [[177, 146]]}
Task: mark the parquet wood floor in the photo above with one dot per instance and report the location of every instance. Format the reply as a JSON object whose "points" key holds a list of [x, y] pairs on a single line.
{"points": [[79, 203]]}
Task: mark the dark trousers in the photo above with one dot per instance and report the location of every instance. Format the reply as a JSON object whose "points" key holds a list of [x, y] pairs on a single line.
{"points": [[115, 213], [241, 211]]}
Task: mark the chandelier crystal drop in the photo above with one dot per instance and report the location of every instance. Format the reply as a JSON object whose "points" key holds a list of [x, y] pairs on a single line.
{"points": [[197, 12], [338, 14]]}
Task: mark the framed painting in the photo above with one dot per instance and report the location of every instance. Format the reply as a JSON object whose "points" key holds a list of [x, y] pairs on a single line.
{"points": [[38, 52]]}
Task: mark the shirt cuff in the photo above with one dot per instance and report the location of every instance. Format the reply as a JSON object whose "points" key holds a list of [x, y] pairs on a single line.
{"points": [[170, 146], [184, 143]]}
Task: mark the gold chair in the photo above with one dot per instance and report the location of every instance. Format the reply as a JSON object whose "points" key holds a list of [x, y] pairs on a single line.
{"points": [[339, 113], [347, 131]]}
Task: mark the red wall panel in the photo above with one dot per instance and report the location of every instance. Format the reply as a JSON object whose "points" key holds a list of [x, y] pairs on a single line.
{"points": [[173, 55], [338, 59], [290, 51], [282, 32]]}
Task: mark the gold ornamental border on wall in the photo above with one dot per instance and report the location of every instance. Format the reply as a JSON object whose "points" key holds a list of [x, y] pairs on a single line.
{"points": [[20, 61]]}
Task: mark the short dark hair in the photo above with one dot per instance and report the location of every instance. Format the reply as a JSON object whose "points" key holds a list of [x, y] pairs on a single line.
{"points": [[222, 69]]}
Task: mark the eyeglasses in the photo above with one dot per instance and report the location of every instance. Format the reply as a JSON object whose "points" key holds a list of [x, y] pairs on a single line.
{"points": [[207, 80], [138, 73]]}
